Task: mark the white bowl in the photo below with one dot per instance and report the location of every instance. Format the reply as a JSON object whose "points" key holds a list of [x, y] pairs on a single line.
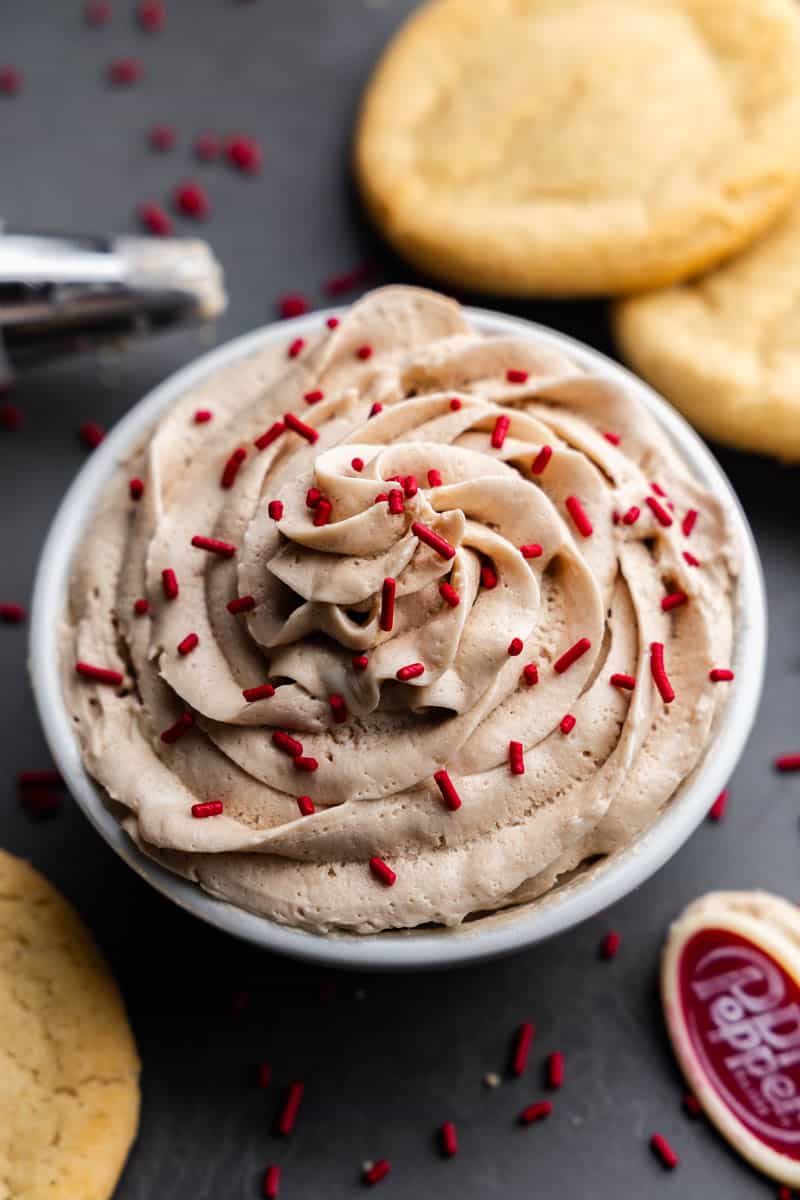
{"points": [[486, 937]]}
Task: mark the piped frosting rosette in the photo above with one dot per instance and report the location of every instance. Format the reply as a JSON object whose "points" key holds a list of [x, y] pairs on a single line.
{"points": [[417, 624]]}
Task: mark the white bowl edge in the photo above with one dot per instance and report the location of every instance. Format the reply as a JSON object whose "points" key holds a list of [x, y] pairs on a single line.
{"points": [[427, 948]]}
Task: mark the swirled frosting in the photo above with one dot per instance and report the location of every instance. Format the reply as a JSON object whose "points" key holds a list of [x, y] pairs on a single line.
{"points": [[386, 679]]}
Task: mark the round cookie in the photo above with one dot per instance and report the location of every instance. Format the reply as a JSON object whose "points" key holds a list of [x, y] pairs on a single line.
{"points": [[69, 1093], [725, 348], [552, 147]]}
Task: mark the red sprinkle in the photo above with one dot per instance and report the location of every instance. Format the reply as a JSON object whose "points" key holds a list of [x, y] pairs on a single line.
{"points": [[338, 707], [213, 546], [377, 1172], [293, 305], [12, 614], [410, 485], [632, 515], [500, 430], [360, 662], [488, 577], [447, 788], [91, 433], [287, 743], [515, 376], [10, 415], [567, 723], [434, 478], [555, 1069], [314, 396], [572, 655], [125, 71], [659, 491], [169, 582], [188, 644], [663, 1151], [388, 592], [523, 1040], [97, 12], [290, 1109], [162, 137], [156, 219], [659, 672], [232, 467], [720, 675], [152, 15], [382, 871], [305, 763], [788, 762], [322, 514], [192, 200], [99, 674], [449, 594], [306, 806], [531, 550], [270, 435], [433, 539], [332, 322], [396, 505], [614, 438], [264, 691], [297, 426], [136, 489], [241, 604], [381, 498], [313, 497], [141, 606], [516, 759], [610, 944], [364, 352], [245, 154], [43, 778], [376, 409], [275, 509], [347, 281], [455, 404], [272, 1182], [515, 646], [535, 1112], [541, 460], [411, 671], [689, 521], [206, 147], [659, 512], [691, 1105], [41, 803], [578, 514], [183, 724], [531, 674], [357, 464], [690, 559], [717, 810], [628, 682], [673, 600], [449, 1139]]}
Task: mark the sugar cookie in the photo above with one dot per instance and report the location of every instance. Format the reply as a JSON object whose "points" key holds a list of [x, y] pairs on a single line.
{"points": [[725, 348], [554, 147], [69, 1094]]}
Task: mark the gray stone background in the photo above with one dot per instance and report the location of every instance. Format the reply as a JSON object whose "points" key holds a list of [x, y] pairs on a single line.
{"points": [[385, 1059]]}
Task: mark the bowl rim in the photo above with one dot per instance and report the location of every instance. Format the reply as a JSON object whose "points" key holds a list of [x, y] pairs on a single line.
{"points": [[498, 934]]}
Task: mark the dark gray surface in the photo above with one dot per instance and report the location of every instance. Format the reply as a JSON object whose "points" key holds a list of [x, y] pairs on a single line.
{"points": [[382, 1069]]}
